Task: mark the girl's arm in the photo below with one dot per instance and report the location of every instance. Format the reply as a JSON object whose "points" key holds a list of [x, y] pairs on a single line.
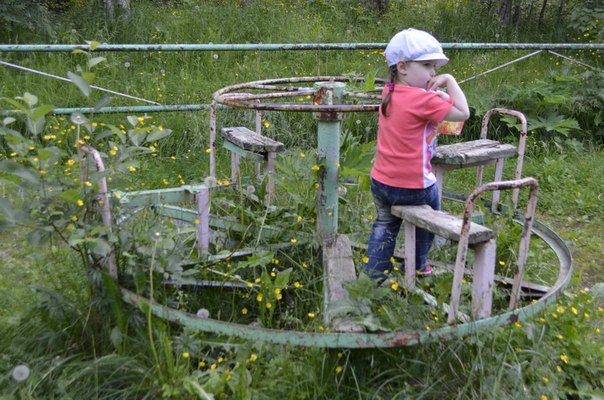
{"points": [[460, 110]]}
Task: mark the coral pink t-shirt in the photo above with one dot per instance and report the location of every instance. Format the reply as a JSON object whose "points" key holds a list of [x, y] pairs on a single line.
{"points": [[406, 137]]}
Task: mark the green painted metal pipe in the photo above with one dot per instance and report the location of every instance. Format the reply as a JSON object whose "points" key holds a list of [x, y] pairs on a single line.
{"points": [[328, 153], [284, 46]]}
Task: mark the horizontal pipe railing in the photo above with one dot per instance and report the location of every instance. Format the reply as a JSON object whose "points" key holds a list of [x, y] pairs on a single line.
{"points": [[250, 47], [284, 46]]}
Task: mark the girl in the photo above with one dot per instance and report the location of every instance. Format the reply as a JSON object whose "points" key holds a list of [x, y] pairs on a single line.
{"points": [[411, 108]]}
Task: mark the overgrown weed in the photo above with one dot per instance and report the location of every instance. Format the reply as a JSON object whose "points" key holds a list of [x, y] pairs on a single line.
{"points": [[78, 339]]}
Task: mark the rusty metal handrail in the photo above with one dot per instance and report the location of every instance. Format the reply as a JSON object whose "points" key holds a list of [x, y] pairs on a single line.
{"points": [[226, 96], [462, 252], [521, 144]]}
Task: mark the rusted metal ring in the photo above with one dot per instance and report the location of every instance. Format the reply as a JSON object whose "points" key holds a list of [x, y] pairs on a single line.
{"points": [[374, 340], [231, 96]]}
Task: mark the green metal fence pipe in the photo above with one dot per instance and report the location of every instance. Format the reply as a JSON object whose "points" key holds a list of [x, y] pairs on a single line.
{"points": [[284, 46], [127, 109]]}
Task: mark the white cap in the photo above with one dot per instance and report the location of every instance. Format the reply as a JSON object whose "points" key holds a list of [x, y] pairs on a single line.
{"points": [[414, 45]]}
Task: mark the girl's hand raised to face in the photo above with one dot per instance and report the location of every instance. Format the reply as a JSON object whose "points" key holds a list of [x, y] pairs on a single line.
{"points": [[460, 110]]}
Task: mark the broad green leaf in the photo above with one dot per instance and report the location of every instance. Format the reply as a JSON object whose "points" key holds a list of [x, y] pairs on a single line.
{"points": [[364, 182], [8, 121], [137, 136], [17, 104], [113, 130], [80, 83], [370, 81], [39, 237], [133, 120], [157, 134], [257, 260], [48, 152], [11, 132], [99, 230], [99, 247], [35, 126], [9, 215], [102, 102], [71, 195], [78, 51], [29, 98], [95, 60], [19, 171], [116, 335], [89, 76], [282, 278], [41, 111]]}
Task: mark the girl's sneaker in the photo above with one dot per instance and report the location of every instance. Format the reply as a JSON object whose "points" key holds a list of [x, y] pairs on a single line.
{"points": [[425, 272]]}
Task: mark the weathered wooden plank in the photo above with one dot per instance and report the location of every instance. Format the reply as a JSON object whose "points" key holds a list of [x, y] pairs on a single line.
{"points": [[482, 279], [440, 223], [250, 140], [474, 151], [339, 270]]}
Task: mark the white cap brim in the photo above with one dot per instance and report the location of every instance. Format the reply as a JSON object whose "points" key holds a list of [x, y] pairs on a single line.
{"points": [[440, 58]]}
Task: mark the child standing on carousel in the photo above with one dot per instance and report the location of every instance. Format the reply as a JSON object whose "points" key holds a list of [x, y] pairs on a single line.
{"points": [[412, 107]]}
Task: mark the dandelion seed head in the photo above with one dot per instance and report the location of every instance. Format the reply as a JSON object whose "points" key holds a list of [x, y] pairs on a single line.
{"points": [[210, 181], [78, 118], [20, 373]]}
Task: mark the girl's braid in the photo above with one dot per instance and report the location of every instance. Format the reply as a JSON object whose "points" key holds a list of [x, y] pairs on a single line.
{"points": [[391, 79]]}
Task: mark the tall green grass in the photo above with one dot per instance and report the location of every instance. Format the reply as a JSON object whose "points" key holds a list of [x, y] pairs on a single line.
{"points": [[79, 339]]}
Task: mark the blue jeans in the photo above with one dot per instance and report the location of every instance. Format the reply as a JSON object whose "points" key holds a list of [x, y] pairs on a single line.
{"points": [[386, 227]]}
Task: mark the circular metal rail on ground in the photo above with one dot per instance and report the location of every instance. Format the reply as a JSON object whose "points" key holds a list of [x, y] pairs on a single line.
{"points": [[284, 88], [373, 340]]}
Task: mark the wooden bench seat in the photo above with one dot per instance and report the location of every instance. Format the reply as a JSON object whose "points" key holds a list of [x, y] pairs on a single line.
{"points": [[249, 140], [243, 142], [474, 152], [441, 223], [479, 153], [481, 239]]}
